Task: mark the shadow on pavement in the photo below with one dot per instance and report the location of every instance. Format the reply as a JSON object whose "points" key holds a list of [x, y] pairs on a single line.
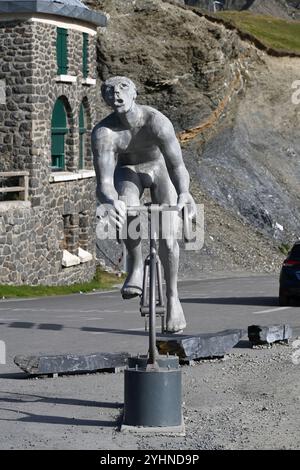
{"points": [[116, 331], [25, 397], [35, 418], [243, 344], [15, 376], [41, 326], [10, 397], [257, 301], [57, 327], [21, 324]]}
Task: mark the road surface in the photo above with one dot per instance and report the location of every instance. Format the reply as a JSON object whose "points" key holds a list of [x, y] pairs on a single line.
{"points": [[104, 322], [249, 401]]}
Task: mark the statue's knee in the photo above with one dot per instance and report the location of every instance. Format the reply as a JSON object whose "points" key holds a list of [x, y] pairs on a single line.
{"points": [[169, 245]]}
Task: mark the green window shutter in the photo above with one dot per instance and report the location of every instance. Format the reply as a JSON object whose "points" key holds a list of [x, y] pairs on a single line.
{"points": [[85, 55], [58, 131], [82, 131], [62, 51]]}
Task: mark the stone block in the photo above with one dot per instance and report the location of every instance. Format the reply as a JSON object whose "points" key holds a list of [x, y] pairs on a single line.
{"points": [[2, 92], [258, 334], [69, 259], [84, 256], [201, 346], [60, 364]]}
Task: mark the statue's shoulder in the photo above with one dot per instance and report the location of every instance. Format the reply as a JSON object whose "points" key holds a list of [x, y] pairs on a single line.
{"points": [[154, 115], [157, 120], [106, 127]]}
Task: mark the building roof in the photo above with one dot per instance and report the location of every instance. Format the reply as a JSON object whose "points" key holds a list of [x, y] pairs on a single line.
{"points": [[68, 8]]}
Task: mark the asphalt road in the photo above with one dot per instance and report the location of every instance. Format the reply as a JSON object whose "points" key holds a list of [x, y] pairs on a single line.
{"points": [[87, 323]]}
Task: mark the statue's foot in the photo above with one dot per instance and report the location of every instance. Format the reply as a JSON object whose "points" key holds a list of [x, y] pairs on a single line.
{"points": [[175, 316], [130, 292], [133, 286]]}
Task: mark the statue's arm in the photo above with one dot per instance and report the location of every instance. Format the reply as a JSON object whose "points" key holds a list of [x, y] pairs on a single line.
{"points": [[104, 163], [171, 151]]}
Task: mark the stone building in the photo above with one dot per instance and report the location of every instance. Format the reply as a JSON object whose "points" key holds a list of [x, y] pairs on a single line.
{"points": [[47, 111]]}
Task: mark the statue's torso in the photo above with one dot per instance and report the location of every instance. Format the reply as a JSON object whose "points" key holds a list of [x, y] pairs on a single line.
{"points": [[136, 147]]}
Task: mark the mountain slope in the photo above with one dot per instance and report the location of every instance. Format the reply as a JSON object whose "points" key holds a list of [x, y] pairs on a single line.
{"points": [[280, 8], [243, 156]]}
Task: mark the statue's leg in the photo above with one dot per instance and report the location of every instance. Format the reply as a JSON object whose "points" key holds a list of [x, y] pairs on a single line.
{"points": [[163, 192], [129, 188]]}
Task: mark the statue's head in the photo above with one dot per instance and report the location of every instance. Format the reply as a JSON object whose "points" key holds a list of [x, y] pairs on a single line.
{"points": [[119, 93]]}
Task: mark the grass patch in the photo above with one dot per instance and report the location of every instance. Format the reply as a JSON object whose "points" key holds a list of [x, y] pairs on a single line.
{"points": [[285, 248], [279, 34], [101, 281]]}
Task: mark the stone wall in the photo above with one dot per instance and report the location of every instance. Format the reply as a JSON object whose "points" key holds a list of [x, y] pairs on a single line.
{"points": [[46, 90], [32, 239], [58, 215], [15, 114]]}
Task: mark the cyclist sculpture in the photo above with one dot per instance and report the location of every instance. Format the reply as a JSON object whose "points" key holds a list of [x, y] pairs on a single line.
{"points": [[135, 148]]}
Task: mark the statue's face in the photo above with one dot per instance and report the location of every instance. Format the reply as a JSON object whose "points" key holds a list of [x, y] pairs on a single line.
{"points": [[119, 94]]}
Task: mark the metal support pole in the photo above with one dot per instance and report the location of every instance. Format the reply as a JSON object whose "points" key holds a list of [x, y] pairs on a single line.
{"points": [[152, 361], [159, 283]]}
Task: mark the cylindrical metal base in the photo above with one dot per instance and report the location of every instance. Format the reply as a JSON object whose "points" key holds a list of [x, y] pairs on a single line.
{"points": [[153, 397], [165, 362]]}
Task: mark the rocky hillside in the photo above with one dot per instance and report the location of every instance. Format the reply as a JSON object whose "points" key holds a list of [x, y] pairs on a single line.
{"points": [[280, 8], [231, 107]]}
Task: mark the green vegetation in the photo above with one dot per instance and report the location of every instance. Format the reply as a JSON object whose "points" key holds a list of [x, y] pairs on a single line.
{"points": [[279, 34], [102, 280], [285, 248]]}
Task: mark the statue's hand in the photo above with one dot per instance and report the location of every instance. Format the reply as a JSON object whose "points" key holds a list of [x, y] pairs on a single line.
{"points": [[117, 214], [186, 199]]}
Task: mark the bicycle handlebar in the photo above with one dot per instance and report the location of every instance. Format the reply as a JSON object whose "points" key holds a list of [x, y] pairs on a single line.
{"points": [[152, 207], [165, 208]]}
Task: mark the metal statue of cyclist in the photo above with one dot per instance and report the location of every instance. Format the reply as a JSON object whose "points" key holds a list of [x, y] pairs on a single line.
{"points": [[134, 148]]}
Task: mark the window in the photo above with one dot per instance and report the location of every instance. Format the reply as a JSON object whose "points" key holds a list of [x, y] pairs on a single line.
{"points": [[84, 230], [62, 51], [58, 132], [82, 131], [85, 55], [71, 229]]}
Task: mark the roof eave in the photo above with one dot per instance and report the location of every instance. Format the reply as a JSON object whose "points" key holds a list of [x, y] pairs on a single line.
{"points": [[53, 8]]}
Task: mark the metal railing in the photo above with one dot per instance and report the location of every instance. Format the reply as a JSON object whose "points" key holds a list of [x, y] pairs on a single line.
{"points": [[23, 182]]}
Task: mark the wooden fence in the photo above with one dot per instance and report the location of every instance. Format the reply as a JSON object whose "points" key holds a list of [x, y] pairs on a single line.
{"points": [[23, 179]]}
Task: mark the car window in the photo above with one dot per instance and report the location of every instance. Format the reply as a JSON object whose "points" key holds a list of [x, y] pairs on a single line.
{"points": [[295, 253]]}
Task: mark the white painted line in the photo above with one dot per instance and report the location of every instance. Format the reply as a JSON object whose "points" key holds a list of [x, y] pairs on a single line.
{"points": [[61, 311], [196, 296], [104, 293], [271, 310], [95, 332], [93, 318], [135, 329], [30, 309], [92, 311]]}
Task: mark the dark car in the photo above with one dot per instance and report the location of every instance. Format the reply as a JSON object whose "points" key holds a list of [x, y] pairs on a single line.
{"points": [[290, 276]]}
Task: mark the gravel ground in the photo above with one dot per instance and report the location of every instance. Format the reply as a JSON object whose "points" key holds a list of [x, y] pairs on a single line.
{"points": [[249, 400]]}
